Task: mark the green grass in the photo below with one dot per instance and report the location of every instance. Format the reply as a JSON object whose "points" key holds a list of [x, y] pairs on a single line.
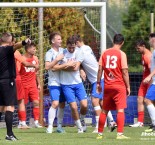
{"points": [[71, 137]]}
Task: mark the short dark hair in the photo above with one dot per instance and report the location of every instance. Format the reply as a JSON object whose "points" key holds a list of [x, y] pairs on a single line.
{"points": [[6, 37], [77, 37], [140, 42], [152, 35], [71, 41], [118, 39], [28, 45], [52, 35]]}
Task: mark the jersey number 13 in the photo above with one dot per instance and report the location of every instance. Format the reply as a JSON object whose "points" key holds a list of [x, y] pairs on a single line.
{"points": [[111, 61]]}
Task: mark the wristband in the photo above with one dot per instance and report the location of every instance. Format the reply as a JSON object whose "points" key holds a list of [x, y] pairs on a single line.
{"points": [[98, 83], [24, 43]]}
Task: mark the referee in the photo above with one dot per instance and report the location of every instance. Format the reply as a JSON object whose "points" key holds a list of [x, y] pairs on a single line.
{"points": [[7, 79]]}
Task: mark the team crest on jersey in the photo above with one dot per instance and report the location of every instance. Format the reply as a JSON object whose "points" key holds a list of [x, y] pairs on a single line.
{"points": [[111, 76]]}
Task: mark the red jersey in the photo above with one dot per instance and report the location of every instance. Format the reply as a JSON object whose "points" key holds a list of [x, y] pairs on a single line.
{"points": [[146, 58], [113, 61], [28, 74], [18, 59]]}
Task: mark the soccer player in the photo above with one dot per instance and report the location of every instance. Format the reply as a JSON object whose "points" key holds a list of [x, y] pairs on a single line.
{"points": [[72, 85], [7, 80], [150, 95], [146, 55], [30, 81], [20, 89], [116, 84], [53, 58], [90, 66]]}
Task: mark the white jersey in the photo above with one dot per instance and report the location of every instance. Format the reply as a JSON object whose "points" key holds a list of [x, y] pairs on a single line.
{"points": [[153, 66], [89, 63], [71, 77], [53, 76]]}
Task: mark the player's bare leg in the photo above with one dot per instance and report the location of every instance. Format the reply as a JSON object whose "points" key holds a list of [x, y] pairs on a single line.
{"points": [[83, 111], [75, 115], [60, 115], [140, 103]]}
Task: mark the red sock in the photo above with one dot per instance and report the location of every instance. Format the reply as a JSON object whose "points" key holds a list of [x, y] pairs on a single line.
{"points": [[36, 113], [120, 122], [102, 120], [141, 116], [22, 115]]}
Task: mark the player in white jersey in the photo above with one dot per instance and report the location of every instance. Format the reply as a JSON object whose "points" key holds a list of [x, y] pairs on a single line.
{"points": [[73, 87], [52, 61], [90, 66], [150, 95]]}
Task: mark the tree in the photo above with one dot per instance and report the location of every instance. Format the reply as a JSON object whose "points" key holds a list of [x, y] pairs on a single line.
{"points": [[136, 25]]}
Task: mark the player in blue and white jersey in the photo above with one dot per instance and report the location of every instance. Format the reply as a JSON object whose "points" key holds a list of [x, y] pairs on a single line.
{"points": [[53, 58], [72, 85], [150, 95], [90, 66]]}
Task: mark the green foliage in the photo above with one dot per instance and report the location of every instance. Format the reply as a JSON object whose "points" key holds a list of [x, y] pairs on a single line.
{"points": [[136, 25]]}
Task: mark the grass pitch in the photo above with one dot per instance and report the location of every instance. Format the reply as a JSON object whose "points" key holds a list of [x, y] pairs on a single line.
{"points": [[71, 137]]}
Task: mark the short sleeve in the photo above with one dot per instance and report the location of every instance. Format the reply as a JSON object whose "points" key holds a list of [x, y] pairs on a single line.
{"points": [[48, 56], [18, 56], [123, 60]]}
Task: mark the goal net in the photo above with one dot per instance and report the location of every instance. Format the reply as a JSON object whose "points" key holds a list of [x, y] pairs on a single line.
{"points": [[26, 22], [82, 18]]}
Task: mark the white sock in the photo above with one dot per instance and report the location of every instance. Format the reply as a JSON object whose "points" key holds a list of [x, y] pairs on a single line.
{"points": [[97, 120], [60, 115], [82, 117], [78, 123], [23, 122], [51, 116], [110, 117], [151, 110], [36, 122]]}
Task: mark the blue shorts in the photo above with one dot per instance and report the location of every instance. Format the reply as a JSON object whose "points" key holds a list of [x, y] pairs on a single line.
{"points": [[94, 93], [56, 93], [151, 93], [73, 91]]}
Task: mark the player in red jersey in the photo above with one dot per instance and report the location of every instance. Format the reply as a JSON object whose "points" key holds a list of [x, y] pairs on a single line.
{"points": [[116, 85], [146, 58], [30, 81], [20, 89]]}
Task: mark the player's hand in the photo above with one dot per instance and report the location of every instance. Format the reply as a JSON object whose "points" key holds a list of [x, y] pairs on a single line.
{"points": [[147, 80], [36, 67], [98, 88], [128, 91], [59, 57], [39, 88], [28, 40], [71, 63], [83, 75]]}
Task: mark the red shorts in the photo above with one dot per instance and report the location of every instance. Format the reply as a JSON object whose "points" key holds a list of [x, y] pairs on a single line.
{"points": [[114, 98], [20, 90], [31, 94], [143, 89]]}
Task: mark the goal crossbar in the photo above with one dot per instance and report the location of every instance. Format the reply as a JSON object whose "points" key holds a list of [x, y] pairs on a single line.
{"points": [[51, 4]]}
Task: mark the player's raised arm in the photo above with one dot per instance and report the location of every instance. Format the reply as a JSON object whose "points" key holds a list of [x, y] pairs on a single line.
{"points": [[18, 45]]}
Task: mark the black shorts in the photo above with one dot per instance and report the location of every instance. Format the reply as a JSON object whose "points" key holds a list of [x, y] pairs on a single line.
{"points": [[8, 95]]}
